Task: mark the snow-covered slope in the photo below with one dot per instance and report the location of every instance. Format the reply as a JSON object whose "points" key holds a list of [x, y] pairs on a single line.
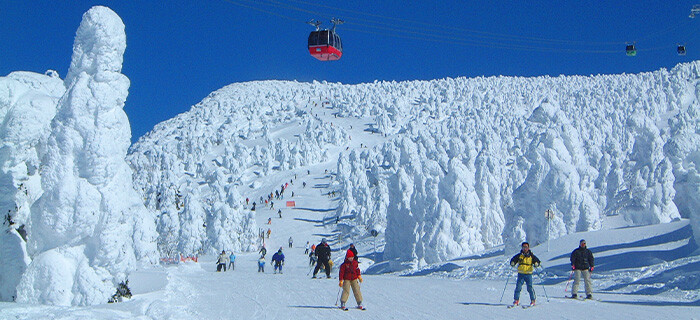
{"points": [[442, 169], [460, 165], [632, 266]]}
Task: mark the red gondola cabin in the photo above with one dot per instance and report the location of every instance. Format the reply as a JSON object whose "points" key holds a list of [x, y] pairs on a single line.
{"points": [[325, 45]]}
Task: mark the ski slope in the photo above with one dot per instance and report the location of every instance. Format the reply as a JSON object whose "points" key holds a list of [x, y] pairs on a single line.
{"points": [[454, 173], [195, 291]]}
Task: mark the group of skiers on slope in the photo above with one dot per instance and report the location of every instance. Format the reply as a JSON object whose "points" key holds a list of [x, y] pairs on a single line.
{"points": [[225, 259], [277, 259], [349, 271], [276, 195], [582, 263]]}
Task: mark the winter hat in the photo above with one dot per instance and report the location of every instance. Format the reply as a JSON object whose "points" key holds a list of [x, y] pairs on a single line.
{"points": [[323, 240], [582, 241], [349, 254]]}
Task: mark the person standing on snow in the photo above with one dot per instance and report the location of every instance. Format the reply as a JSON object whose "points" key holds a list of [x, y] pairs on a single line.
{"points": [[350, 277], [323, 256], [582, 264], [526, 262], [354, 251], [222, 261], [263, 251], [291, 241], [278, 259], [232, 260], [312, 258], [306, 248], [261, 264]]}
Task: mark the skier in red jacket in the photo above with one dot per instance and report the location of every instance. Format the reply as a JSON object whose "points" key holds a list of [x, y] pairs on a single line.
{"points": [[350, 277]]}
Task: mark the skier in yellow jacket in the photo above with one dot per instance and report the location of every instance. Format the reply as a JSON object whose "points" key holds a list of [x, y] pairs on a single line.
{"points": [[526, 262]]}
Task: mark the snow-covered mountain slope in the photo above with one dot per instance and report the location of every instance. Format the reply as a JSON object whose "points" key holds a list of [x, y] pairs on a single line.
{"points": [[445, 168], [442, 169], [474, 286]]}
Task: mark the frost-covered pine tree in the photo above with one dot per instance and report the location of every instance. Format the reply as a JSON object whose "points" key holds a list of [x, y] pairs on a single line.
{"points": [[27, 106], [647, 197], [554, 181], [89, 229], [683, 150]]}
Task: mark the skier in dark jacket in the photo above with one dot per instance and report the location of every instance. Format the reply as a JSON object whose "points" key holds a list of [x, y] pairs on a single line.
{"points": [[354, 251], [582, 264], [323, 255], [278, 260], [526, 262]]}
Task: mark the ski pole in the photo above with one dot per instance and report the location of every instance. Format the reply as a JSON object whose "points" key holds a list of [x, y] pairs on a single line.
{"points": [[338, 297], [567, 281], [542, 283], [504, 289]]}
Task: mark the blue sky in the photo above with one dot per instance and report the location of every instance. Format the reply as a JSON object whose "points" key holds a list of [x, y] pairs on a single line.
{"points": [[180, 51]]}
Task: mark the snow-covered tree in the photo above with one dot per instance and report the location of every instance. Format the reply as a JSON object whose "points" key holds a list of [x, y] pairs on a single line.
{"points": [[89, 229]]}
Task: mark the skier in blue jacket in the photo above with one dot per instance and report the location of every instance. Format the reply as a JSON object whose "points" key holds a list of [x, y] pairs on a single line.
{"points": [[232, 259], [278, 259]]}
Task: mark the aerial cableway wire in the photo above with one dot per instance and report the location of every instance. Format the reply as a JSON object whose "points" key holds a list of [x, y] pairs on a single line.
{"points": [[493, 35], [484, 39], [456, 34]]}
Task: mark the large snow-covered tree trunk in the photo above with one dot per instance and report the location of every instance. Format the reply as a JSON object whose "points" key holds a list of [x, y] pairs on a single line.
{"points": [[89, 229]]}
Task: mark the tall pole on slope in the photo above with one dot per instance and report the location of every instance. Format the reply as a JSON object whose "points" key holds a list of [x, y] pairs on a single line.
{"points": [[548, 214], [374, 234]]}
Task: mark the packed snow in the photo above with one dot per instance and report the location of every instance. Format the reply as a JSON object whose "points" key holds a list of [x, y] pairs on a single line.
{"points": [[451, 176]]}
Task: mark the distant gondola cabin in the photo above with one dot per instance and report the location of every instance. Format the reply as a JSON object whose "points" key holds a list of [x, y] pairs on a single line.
{"points": [[631, 50], [681, 50], [325, 45]]}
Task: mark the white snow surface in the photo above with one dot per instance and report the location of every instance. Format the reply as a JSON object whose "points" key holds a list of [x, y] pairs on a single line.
{"points": [[473, 287], [452, 173]]}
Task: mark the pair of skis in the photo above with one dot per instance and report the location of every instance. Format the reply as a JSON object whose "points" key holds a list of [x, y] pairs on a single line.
{"points": [[358, 307], [526, 306], [581, 298]]}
